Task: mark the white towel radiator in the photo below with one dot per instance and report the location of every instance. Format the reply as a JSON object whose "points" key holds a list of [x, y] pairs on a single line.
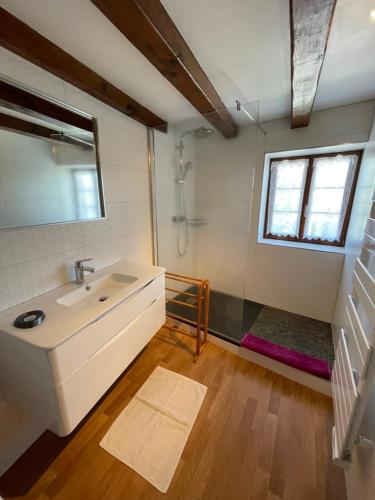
{"points": [[353, 373]]}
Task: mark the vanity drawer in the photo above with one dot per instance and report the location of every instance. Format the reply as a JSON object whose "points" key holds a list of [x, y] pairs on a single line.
{"points": [[67, 357], [79, 392]]}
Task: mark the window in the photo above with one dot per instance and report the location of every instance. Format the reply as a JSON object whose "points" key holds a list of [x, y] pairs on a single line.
{"points": [[86, 193], [310, 198]]}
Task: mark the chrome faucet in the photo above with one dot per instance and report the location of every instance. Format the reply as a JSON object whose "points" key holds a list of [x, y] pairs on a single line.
{"points": [[80, 270]]}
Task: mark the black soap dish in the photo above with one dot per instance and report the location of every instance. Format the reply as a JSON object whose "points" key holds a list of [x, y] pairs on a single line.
{"points": [[29, 319]]}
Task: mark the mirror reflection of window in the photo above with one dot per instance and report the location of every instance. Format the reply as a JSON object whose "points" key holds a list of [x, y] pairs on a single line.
{"points": [[86, 192]]}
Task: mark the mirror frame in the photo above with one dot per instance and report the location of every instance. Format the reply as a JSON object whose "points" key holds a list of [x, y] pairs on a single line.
{"points": [[35, 96]]}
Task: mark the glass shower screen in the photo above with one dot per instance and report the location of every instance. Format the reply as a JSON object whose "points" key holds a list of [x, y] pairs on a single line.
{"points": [[203, 194]]}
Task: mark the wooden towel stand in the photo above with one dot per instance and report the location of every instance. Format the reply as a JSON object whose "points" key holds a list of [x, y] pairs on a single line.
{"points": [[202, 307]]}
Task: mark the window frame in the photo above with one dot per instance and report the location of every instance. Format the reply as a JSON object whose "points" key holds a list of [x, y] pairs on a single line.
{"points": [[306, 196]]}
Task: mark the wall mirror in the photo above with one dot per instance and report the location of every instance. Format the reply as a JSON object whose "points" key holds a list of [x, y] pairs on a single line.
{"points": [[49, 162]]}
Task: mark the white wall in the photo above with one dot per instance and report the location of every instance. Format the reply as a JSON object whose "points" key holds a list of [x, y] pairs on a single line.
{"points": [[360, 479], [299, 280], [35, 260]]}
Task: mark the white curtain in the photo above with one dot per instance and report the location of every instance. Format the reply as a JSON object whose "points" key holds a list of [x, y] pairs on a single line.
{"points": [[287, 180], [331, 184]]}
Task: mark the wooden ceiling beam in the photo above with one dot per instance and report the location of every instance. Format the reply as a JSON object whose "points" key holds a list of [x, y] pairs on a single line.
{"points": [[24, 41], [24, 127], [310, 24], [147, 25], [15, 124], [20, 99]]}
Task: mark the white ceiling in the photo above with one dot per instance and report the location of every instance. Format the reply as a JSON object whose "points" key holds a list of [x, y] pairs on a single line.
{"points": [[348, 73], [243, 45]]}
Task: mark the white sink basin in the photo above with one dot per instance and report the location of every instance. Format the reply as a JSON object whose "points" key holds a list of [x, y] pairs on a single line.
{"points": [[96, 292]]}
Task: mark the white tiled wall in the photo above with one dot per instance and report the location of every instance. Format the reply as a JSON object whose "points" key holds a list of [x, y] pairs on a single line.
{"points": [[35, 260], [295, 280]]}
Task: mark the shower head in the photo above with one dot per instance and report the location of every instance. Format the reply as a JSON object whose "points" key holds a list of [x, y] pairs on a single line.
{"points": [[199, 132], [188, 166], [203, 132]]}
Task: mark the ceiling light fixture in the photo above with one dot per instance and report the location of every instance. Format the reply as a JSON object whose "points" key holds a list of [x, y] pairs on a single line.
{"points": [[372, 15]]}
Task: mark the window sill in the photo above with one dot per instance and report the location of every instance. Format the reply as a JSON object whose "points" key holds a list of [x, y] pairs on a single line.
{"points": [[302, 246]]}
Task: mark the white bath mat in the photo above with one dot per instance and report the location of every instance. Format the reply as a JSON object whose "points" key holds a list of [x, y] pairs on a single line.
{"points": [[151, 432]]}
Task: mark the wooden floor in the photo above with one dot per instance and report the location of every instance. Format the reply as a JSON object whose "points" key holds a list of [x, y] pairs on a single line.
{"points": [[257, 436]]}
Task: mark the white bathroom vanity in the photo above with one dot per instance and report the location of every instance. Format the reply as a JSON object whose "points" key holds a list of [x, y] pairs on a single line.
{"points": [[56, 371]]}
